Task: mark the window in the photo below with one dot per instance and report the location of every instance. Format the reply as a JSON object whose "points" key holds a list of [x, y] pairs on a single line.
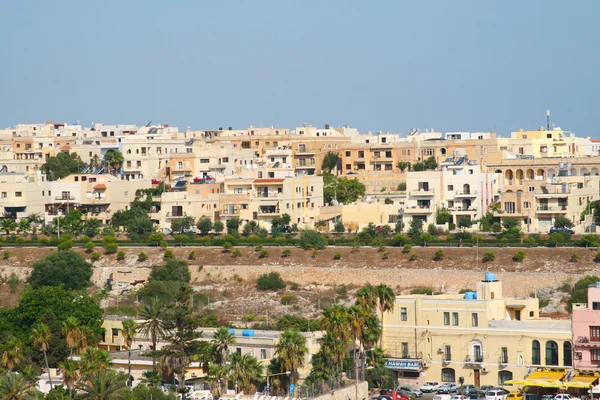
{"points": [[446, 318], [238, 350], [403, 314], [263, 354], [596, 305], [361, 154], [526, 205], [115, 332], [179, 164], [448, 375], [595, 353], [348, 153], [204, 161], [567, 354], [404, 350], [504, 355], [450, 188], [474, 319], [447, 353], [535, 353], [226, 159], [388, 154], [18, 194], [551, 353], [301, 148], [455, 318], [595, 333], [504, 376]]}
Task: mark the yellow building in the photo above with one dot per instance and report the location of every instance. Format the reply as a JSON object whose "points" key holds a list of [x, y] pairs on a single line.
{"points": [[481, 336]]}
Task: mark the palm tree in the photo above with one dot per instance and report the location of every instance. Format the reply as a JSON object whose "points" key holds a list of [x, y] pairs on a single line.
{"points": [[128, 332], [245, 370], [114, 158], [8, 225], [385, 300], [41, 338], [291, 350], [321, 371], [222, 339], [24, 226], [330, 161], [71, 330], [13, 386], [94, 360], [151, 378], [70, 373], [153, 325], [12, 354], [366, 298], [103, 385]]}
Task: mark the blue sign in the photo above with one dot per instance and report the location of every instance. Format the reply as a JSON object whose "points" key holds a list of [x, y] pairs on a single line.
{"points": [[403, 364], [292, 387]]}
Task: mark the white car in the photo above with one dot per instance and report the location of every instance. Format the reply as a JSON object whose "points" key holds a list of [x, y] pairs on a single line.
{"points": [[564, 396], [458, 397], [430, 387], [495, 394]]}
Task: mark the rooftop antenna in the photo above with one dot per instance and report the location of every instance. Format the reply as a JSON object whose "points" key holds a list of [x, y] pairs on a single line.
{"points": [[547, 120]]}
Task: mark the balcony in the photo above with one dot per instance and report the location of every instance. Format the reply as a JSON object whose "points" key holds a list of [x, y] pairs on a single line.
{"points": [[64, 198], [474, 360], [551, 210], [418, 210], [267, 195], [422, 193], [468, 193], [233, 212], [585, 341], [553, 193], [271, 211]]}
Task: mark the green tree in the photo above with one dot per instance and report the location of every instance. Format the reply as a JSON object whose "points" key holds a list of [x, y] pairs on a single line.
{"points": [[415, 228], [114, 158], [511, 222], [342, 189], [8, 225], [385, 301], [290, 351], [430, 163], [70, 373], [222, 341], [204, 225], [402, 166], [270, 281], [182, 225], [580, 290], [61, 165], [141, 226], [103, 385], [40, 335], [153, 324], [563, 222], [311, 239], [245, 370], [330, 161], [465, 222], [233, 225], [66, 268], [218, 226], [339, 226], [12, 353], [171, 270], [128, 332], [14, 386], [24, 226]]}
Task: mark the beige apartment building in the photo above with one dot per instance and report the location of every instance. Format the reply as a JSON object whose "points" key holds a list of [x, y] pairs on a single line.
{"points": [[481, 336]]}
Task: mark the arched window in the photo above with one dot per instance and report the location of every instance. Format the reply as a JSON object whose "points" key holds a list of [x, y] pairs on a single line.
{"points": [[448, 375], [504, 376], [535, 353], [567, 354], [128, 151], [551, 353]]}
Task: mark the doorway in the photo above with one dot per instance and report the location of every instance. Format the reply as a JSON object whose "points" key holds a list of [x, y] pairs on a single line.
{"points": [[476, 378]]}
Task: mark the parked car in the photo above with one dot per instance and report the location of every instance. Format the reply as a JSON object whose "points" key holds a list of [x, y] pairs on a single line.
{"points": [[449, 388], [401, 395], [565, 396], [442, 397], [468, 389], [561, 230], [430, 387], [495, 394], [478, 395], [459, 397], [514, 396], [485, 388], [411, 391]]}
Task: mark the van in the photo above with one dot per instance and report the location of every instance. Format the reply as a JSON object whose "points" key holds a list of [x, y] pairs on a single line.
{"points": [[495, 394]]}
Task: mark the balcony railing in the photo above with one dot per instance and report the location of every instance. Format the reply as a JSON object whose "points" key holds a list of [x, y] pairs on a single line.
{"points": [[64, 198], [465, 193], [552, 208], [474, 359], [422, 192]]}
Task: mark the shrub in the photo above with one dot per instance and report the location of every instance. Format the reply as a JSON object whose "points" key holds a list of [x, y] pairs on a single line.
{"points": [[565, 287], [289, 298], [263, 254], [108, 239], [597, 257], [294, 286], [337, 256], [21, 240], [496, 227], [400, 239], [270, 281], [413, 257], [355, 248], [402, 186], [386, 255], [110, 248], [192, 255], [286, 253], [519, 256], [84, 239], [142, 256], [575, 257], [236, 253], [310, 239], [95, 256], [227, 246], [44, 241], [89, 247], [407, 248], [5, 255], [422, 290], [315, 253], [258, 247], [339, 226], [64, 245], [588, 241], [121, 255], [388, 201], [168, 254], [530, 241], [488, 256], [438, 256], [163, 244], [381, 248]]}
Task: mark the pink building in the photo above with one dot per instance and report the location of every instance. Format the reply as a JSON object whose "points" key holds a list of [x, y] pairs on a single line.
{"points": [[586, 332]]}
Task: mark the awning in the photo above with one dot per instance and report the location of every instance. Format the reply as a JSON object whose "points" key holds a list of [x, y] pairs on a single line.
{"points": [[547, 379], [515, 382], [581, 382], [100, 186], [269, 202]]}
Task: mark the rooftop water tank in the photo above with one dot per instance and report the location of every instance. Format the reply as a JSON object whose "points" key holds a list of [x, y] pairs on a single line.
{"points": [[598, 285], [231, 331], [490, 277], [470, 296], [248, 332]]}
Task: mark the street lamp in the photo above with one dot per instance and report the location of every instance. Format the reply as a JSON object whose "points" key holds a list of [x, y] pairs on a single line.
{"points": [[268, 387]]}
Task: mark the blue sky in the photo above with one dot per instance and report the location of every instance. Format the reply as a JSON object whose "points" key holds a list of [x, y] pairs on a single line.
{"points": [[395, 65]]}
